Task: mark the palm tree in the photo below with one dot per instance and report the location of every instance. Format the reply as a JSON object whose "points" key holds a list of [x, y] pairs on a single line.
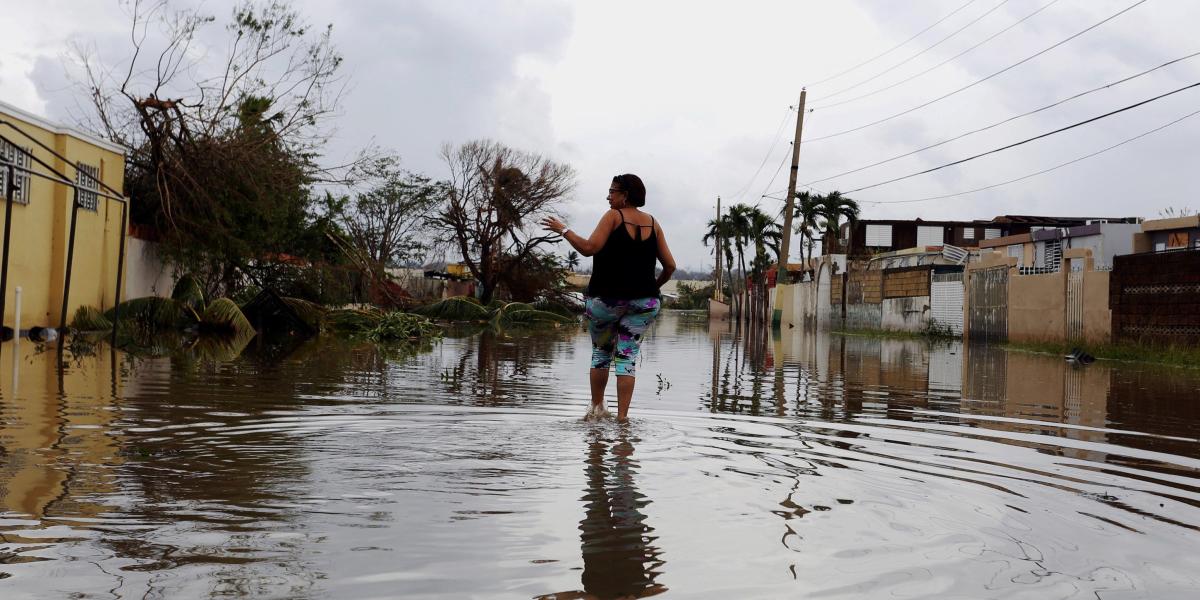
{"points": [[721, 230], [742, 234], [739, 225], [572, 260], [805, 219], [765, 233], [832, 207]]}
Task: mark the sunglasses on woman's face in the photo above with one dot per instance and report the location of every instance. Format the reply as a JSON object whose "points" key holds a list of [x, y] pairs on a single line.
{"points": [[614, 191]]}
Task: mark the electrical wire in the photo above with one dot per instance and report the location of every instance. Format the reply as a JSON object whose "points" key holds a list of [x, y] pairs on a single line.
{"points": [[767, 156], [894, 48], [1027, 140], [777, 170], [1010, 119], [1035, 174], [777, 173], [914, 56], [979, 81], [944, 62]]}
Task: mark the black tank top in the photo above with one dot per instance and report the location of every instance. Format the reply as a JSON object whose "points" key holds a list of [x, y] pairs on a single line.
{"points": [[624, 268]]}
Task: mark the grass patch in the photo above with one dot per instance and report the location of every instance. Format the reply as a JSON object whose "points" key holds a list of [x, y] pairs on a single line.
{"points": [[931, 334], [1178, 356]]}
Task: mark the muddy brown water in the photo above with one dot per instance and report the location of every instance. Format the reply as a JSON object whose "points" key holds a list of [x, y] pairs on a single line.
{"points": [[800, 466]]}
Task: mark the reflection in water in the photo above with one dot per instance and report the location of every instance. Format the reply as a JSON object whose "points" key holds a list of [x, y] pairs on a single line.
{"points": [[618, 556], [800, 463], [620, 559]]}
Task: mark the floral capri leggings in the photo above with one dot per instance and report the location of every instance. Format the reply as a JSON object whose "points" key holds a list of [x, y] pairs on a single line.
{"points": [[617, 327]]}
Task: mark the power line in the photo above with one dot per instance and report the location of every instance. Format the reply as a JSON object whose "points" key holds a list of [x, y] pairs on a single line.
{"points": [[1027, 140], [979, 81], [1035, 174], [777, 170], [944, 62], [1010, 119], [774, 142], [893, 48], [914, 56], [784, 192]]}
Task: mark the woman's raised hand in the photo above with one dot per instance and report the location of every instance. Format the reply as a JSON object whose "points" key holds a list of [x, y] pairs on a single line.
{"points": [[553, 224]]}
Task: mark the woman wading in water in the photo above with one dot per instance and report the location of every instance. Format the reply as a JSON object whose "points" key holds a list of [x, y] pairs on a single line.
{"points": [[622, 297]]}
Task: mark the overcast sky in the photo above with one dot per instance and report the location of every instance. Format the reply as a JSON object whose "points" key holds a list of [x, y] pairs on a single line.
{"points": [[693, 96]]}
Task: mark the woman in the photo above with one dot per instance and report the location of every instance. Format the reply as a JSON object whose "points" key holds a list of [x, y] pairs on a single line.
{"points": [[622, 297]]}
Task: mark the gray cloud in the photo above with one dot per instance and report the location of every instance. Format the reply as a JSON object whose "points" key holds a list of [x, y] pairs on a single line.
{"points": [[690, 96]]}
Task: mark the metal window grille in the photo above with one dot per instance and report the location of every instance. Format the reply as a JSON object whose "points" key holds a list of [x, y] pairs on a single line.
{"points": [[991, 234], [968, 233], [88, 186], [18, 157], [1054, 254]]}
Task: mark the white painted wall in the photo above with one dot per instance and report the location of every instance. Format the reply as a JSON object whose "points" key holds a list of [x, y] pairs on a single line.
{"points": [[905, 314], [145, 272], [1118, 240]]}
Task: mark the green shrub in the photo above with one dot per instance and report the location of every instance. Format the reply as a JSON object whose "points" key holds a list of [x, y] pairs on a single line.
{"points": [[400, 326]]}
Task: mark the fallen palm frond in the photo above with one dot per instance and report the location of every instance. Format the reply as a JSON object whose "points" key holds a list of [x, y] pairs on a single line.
{"points": [[555, 307], [458, 308], [353, 320], [517, 314], [219, 348], [153, 313], [190, 293], [223, 316], [311, 313], [89, 318], [400, 326]]}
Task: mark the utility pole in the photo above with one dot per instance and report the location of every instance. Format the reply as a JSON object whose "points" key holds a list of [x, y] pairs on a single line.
{"points": [[717, 253], [781, 272], [789, 207]]}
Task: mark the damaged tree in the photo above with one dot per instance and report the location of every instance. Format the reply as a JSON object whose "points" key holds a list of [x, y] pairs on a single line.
{"points": [[221, 153], [496, 195]]}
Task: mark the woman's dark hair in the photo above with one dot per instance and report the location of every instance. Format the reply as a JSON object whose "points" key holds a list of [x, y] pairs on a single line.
{"points": [[635, 190]]}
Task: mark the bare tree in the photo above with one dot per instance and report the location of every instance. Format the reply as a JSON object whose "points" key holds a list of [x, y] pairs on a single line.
{"points": [[495, 196]]}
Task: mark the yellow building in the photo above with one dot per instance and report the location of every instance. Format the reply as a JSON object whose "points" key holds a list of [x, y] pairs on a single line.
{"points": [[41, 217]]}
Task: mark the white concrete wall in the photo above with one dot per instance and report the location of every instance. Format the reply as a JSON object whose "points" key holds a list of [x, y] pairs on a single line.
{"points": [[863, 316], [145, 272], [1118, 240], [905, 314]]}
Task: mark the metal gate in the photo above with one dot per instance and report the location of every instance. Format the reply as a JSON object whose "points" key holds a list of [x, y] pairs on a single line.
{"points": [[1075, 306], [946, 301], [988, 316]]}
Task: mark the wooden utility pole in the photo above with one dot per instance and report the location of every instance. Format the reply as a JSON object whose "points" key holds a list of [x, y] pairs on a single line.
{"points": [[718, 255], [789, 207]]}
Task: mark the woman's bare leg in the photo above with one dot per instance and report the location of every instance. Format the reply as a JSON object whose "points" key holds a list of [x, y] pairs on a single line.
{"points": [[599, 381], [624, 395]]}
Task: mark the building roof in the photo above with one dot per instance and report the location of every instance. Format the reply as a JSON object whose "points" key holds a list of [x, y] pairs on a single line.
{"points": [[1008, 240], [1008, 220], [1042, 220], [1175, 223], [52, 127], [920, 221]]}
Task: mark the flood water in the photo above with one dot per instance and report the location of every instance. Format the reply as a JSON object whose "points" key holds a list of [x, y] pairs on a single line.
{"points": [[800, 466]]}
